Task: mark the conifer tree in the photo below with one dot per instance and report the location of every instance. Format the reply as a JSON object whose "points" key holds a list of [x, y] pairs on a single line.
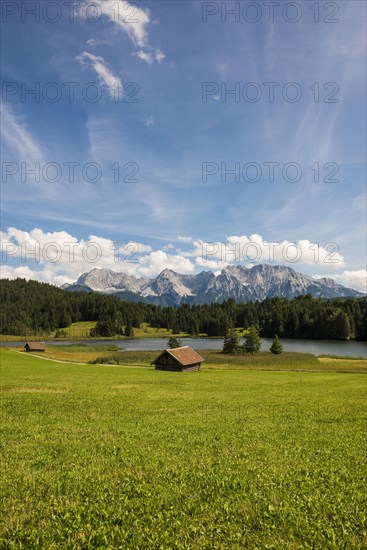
{"points": [[276, 346]]}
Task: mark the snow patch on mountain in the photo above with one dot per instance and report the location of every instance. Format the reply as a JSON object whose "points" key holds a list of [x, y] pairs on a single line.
{"points": [[238, 282]]}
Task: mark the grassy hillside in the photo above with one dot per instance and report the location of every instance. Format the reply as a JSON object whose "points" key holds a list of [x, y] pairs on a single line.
{"points": [[113, 457], [81, 331]]}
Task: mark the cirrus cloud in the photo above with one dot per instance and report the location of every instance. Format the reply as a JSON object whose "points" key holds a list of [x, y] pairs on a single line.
{"points": [[104, 73], [134, 21]]}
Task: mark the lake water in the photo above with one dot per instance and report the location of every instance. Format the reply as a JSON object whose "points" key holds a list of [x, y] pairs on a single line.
{"points": [[317, 347]]}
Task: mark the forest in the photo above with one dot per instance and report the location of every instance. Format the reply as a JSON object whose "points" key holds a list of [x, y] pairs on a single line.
{"points": [[30, 306]]}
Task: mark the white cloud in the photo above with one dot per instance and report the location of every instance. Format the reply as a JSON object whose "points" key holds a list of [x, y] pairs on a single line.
{"points": [[96, 42], [149, 121], [139, 248], [59, 257], [144, 56], [18, 137], [133, 20], [159, 55], [24, 272], [239, 249], [211, 264], [306, 252], [185, 239], [63, 254], [128, 17], [353, 279], [105, 75], [150, 57], [223, 69], [155, 262]]}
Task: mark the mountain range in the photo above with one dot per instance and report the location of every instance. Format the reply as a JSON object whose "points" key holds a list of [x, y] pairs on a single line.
{"points": [[238, 282]]}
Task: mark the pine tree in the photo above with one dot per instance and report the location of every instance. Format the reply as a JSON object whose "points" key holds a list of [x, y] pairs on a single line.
{"points": [[339, 327], [194, 328], [175, 328], [342, 326], [276, 346]]}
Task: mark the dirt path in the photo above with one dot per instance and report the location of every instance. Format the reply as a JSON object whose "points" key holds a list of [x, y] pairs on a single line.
{"points": [[50, 359], [65, 362]]}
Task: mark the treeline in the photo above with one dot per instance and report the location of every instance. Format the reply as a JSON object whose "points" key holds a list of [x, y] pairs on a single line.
{"points": [[29, 306]]}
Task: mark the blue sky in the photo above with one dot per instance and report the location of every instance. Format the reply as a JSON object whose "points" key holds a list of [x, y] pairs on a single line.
{"points": [[181, 127]]}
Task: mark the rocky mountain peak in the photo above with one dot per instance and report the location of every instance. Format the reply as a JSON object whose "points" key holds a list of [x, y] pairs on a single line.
{"points": [[238, 282]]}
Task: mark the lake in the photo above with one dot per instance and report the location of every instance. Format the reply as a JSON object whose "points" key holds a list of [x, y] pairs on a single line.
{"points": [[317, 347]]}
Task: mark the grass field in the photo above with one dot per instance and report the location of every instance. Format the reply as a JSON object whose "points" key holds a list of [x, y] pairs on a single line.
{"points": [[214, 359], [111, 457], [81, 331], [78, 353]]}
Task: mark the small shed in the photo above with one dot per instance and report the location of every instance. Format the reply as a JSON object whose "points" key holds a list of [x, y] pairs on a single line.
{"points": [[35, 346], [178, 360]]}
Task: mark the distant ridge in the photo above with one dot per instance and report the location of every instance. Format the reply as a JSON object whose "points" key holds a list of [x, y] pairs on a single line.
{"points": [[238, 282]]}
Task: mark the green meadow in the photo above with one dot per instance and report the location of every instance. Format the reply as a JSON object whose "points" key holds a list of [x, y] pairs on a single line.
{"points": [[81, 331], [214, 359], [235, 457]]}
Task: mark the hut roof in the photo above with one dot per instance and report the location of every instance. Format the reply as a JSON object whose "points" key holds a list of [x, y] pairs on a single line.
{"points": [[36, 346], [184, 355]]}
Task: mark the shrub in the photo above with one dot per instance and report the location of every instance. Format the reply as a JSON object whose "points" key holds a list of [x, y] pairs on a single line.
{"points": [[232, 342], [115, 359], [252, 342], [174, 342]]}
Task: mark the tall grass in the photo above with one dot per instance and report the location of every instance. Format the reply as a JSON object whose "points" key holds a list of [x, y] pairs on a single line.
{"points": [[214, 359]]}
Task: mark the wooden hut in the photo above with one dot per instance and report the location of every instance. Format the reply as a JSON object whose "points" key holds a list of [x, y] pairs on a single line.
{"points": [[178, 359], [35, 346]]}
